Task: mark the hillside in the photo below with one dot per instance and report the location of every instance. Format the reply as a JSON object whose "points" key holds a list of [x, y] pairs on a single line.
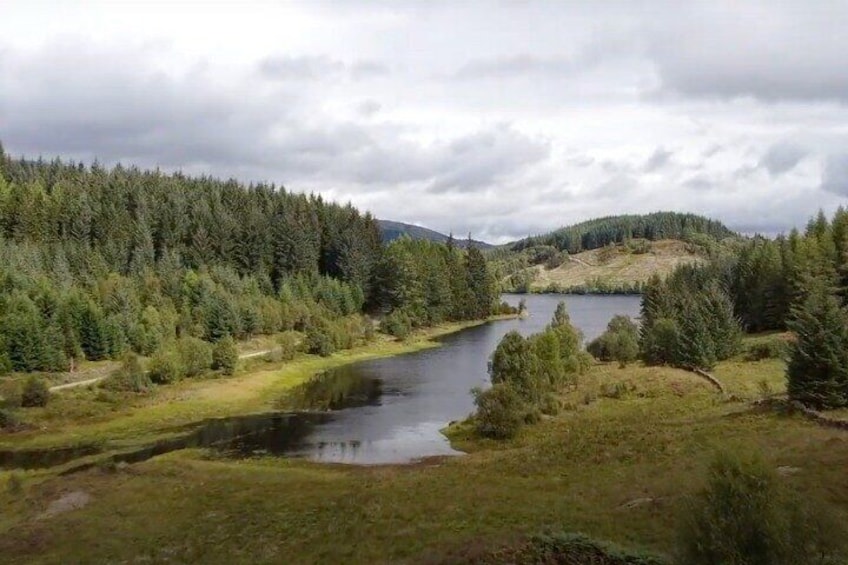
{"points": [[391, 230], [618, 268], [599, 232], [614, 268]]}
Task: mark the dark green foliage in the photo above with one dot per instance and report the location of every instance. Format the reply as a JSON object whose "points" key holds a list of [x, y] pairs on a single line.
{"points": [[525, 373], [746, 515], [129, 377], [688, 320], [515, 363], [771, 349], [165, 366], [620, 342], [225, 356], [35, 393], [8, 419], [500, 411], [96, 262], [195, 356], [433, 283], [320, 340], [397, 323], [288, 344], [618, 229], [817, 370], [567, 549]]}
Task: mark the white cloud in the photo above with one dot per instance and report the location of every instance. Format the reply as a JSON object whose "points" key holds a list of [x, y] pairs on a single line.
{"points": [[460, 116]]}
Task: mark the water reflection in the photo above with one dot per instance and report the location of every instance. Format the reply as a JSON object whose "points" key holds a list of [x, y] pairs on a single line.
{"points": [[382, 411], [330, 390]]}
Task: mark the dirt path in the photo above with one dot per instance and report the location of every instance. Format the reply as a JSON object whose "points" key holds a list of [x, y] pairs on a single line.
{"points": [[96, 380]]}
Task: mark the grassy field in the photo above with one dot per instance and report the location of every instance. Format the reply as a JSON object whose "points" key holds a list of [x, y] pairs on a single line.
{"points": [[614, 464], [615, 267]]}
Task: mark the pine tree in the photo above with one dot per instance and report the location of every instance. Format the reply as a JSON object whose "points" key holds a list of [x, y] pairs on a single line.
{"points": [[817, 371]]}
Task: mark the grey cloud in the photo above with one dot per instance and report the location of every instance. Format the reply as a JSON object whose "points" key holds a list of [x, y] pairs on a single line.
{"points": [[516, 65], [300, 68], [368, 108], [783, 51], [782, 157], [699, 182], [368, 69], [657, 160], [309, 68], [478, 161], [618, 186], [835, 174]]}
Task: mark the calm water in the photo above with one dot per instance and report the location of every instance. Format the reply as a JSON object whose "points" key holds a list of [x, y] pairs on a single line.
{"points": [[382, 411], [409, 398]]}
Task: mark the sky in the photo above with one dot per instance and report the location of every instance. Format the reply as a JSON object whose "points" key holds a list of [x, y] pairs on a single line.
{"points": [[496, 119]]}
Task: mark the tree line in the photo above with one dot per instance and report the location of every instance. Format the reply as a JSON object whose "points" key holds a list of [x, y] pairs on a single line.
{"points": [[600, 232], [96, 262], [799, 282]]}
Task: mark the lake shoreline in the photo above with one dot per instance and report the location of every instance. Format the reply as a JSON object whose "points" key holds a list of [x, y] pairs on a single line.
{"points": [[169, 409]]}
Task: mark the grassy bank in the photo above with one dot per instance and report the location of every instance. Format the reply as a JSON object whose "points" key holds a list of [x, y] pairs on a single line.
{"points": [[614, 464], [87, 417]]}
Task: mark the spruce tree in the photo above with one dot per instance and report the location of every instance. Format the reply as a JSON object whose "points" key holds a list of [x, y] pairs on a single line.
{"points": [[817, 371]]}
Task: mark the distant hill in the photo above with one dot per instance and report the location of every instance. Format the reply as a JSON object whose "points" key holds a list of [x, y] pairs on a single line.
{"points": [[393, 230], [597, 233]]}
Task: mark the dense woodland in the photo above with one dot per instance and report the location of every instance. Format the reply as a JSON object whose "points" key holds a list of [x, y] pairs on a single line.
{"points": [[600, 232], [96, 262], [797, 282]]}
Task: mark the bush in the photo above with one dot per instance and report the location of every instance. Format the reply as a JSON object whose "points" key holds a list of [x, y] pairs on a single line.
{"points": [[195, 356], [567, 549], [500, 411], [166, 367], [319, 341], [397, 323], [35, 393], [225, 356], [745, 515], [772, 349], [8, 419], [129, 376], [620, 342]]}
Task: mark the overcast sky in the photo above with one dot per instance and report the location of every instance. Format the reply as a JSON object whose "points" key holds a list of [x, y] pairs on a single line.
{"points": [[497, 118]]}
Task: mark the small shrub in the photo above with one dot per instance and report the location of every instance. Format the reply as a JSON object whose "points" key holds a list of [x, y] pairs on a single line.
{"points": [[5, 364], [225, 355], [319, 341], [620, 342], [746, 515], [288, 344], [165, 367], [35, 393], [8, 419], [549, 405], [615, 391], [772, 349], [397, 324], [195, 356], [129, 377], [500, 411]]}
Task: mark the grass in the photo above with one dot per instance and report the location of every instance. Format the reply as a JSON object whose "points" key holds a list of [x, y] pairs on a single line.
{"points": [[574, 472]]}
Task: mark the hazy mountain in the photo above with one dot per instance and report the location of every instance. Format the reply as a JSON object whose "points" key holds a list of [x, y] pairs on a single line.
{"points": [[393, 230]]}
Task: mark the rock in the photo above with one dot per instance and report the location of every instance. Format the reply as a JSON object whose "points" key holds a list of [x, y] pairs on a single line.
{"points": [[785, 471], [70, 501]]}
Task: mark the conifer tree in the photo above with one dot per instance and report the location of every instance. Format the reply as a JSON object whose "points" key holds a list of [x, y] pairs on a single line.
{"points": [[817, 371]]}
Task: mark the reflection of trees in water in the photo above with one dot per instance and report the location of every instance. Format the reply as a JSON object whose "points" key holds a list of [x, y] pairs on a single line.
{"points": [[334, 390]]}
